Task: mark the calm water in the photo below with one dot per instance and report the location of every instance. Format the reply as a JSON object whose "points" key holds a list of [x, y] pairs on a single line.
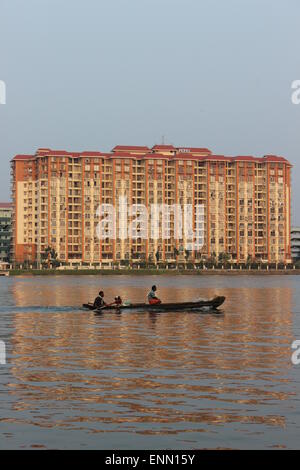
{"points": [[171, 380]]}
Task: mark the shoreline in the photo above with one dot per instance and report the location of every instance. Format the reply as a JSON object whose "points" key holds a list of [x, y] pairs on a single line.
{"points": [[155, 272]]}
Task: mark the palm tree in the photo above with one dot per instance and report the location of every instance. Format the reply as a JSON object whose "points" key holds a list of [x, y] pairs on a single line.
{"points": [[50, 257], [224, 257]]}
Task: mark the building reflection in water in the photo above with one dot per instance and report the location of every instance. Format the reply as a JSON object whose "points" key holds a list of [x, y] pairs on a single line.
{"points": [[150, 373]]}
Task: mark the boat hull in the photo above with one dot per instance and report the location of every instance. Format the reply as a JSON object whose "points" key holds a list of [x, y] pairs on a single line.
{"points": [[164, 307]]}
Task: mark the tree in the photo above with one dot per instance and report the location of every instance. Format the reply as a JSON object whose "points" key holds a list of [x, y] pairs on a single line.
{"points": [[213, 257], [50, 257], [212, 261], [249, 260], [224, 257]]}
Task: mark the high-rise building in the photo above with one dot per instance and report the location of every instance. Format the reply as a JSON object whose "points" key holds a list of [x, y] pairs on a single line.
{"points": [[295, 243], [6, 209], [56, 195]]}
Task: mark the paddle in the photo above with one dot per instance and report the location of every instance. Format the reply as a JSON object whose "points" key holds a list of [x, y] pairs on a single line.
{"points": [[112, 304]]}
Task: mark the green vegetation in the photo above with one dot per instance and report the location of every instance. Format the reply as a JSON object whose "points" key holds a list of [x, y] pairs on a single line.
{"points": [[50, 258], [189, 269]]}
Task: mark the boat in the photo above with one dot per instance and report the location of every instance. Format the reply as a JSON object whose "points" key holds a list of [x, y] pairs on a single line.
{"points": [[163, 307]]}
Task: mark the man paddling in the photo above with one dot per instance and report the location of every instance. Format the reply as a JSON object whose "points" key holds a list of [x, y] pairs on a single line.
{"points": [[117, 302], [99, 300], [152, 298]]}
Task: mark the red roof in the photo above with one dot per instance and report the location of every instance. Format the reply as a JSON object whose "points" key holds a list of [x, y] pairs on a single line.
{"points": [[23, 157], [217, 158], [121, 151], [92, 154], [275, 158], [163, 147], [5, 205], [246, 158], [125, 148], [62, 153], [266, 158]]}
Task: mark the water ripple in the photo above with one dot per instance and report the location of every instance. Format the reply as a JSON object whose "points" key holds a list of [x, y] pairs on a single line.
{"points": [[172, 380]]}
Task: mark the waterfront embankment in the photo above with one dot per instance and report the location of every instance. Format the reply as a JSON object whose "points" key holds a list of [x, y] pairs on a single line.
{"points": [[154, 272]]}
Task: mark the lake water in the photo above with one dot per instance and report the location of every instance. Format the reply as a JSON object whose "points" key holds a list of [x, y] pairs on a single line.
{"points": [[146, 380]]}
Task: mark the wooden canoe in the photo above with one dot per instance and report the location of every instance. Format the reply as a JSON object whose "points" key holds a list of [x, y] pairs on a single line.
{"points": [[164, 307]]}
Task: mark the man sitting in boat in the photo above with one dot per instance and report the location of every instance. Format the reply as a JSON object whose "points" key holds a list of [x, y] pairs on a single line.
{"points": [[99, 300], [152, 298], [117, 302]]}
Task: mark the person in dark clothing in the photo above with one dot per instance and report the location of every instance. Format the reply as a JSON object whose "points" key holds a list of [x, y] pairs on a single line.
{"points": [[99, 300]]}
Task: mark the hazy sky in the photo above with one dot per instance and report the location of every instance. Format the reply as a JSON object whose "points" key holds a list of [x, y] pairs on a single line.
{"points": [[90, 74]]}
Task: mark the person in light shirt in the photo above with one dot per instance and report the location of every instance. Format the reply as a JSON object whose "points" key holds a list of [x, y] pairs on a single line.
{"points": [[152, 297]]}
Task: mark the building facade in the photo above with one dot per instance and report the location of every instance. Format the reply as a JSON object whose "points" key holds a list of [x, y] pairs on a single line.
{"points": [[57, 194], [6, 210], [295, 243]]}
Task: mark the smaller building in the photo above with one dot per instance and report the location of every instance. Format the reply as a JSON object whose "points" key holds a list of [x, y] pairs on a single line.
{"points": [[295, 243], [5, 231]]}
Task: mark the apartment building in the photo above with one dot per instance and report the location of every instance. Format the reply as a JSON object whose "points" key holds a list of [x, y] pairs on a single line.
{"points": [[5, 231], [57, 194], [295, 243]]}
